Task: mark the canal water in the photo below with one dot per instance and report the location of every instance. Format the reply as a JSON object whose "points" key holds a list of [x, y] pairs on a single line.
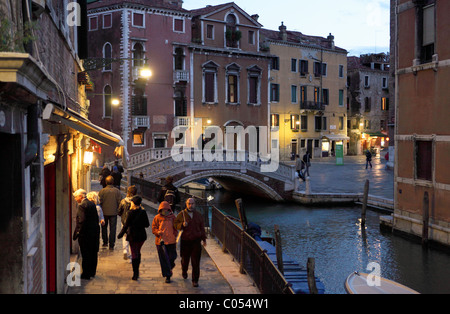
{"points": [[333, 236]]}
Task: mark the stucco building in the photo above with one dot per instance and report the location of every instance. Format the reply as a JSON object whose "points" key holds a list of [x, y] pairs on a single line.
{"points": [[369, 103], [307, 92]]}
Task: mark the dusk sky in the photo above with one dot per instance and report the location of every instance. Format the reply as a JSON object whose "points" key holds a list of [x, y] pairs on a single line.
{"points": [[360, 26]]}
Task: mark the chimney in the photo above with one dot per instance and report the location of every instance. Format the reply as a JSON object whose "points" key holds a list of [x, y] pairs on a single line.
{"points": [[330, 38], [255, 17], [283, 33]]}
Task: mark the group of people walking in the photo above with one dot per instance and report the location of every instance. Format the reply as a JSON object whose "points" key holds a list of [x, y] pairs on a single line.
{"points": [[98, 211]]}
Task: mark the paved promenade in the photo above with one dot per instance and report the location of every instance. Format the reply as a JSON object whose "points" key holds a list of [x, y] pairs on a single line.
{"points": [[219, 274], [327, 177]]}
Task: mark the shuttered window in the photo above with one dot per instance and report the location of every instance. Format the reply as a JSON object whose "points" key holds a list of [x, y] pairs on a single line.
{"points": [[424, 158], [209, 86]]}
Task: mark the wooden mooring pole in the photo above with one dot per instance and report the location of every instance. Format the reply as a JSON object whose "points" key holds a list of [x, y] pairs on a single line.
{"points": [[364, 204], [311, 277], [278, 249], [425, 219]]}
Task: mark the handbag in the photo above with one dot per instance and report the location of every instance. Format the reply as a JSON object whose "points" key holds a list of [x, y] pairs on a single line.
{"points": [[181, 231]]}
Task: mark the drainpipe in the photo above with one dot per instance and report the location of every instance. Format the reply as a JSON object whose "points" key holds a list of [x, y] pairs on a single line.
{"points": [[31, 150]]}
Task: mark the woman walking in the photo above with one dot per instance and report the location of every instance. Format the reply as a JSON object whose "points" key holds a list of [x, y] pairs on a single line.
{"points": [[123, 209], [165, 239], [134, 227]]}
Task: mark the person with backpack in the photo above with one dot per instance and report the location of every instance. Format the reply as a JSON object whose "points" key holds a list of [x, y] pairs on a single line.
{"points": [[169, 193], [122, 211]]}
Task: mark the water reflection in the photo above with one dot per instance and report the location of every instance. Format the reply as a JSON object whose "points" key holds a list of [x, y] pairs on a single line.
{"points": [[340, 246]]}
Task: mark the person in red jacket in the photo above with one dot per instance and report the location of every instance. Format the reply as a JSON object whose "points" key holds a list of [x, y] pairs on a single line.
{"points": [[165, 239], [191, 223]]}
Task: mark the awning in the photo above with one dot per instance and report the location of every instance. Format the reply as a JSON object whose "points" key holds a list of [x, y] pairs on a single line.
{"points": [[337, 137], [378, 134], [77, 122]]}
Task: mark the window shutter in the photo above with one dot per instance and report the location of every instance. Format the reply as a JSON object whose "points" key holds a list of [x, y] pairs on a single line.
{"points": [[428, 25]]}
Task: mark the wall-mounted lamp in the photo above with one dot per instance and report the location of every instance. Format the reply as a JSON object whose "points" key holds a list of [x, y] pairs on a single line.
{"points": [[115, 102], [88, 157], [145, 73]]}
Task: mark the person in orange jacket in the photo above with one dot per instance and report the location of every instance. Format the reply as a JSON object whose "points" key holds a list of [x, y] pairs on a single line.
{"points": [[165, 239]]}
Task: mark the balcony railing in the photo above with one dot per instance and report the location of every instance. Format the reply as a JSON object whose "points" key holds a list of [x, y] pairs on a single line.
{"points": [[180, 76], [141, 122], [181, 121], [311, 105]]}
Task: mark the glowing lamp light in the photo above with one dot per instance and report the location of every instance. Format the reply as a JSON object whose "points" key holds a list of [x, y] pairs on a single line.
{"points": [[208, 121], [146, 73], [88, 157], [115, 102]]}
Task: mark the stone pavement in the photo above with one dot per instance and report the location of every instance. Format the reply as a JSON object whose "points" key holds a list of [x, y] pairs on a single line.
{"points": [[219, 274], [327, 177]]}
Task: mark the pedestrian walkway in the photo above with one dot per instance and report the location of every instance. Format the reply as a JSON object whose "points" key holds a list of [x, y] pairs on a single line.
{"points": [[219, 274], [327, 177]]}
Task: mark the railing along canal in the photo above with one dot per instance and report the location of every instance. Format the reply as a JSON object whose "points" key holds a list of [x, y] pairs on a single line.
{"points": [[252, 258]]}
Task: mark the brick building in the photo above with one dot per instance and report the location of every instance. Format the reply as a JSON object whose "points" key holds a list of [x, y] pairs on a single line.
{"points": [[129, 36], [422, 140], [45, 133]]}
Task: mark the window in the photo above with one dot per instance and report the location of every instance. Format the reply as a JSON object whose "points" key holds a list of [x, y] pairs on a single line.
{"points": [[367, 104], [293, 65], [429, 30], [318, 123], [303, 94], [384, 84], [251, 37], [107, 54], [325, 96], [139, 102], [304, 123], [178, 25], [179, 59], [341, 123], [341, 70], [138, 20], [324, 123], [209, 31], [93, 23], [424, 160], [303, 67], [159, 143], [275, 65], [367, 124], [293, 94], [107, 20], [274, 92], [254, 85], [316, 95], [180, 104], [366, 81], [341, 98], [138, 138], [317, 71], [232, 87], [295, 122], [210, 82], [384, 103], [274, 120], [324, 69], [138, 55], [107, 109], [232, 34]]}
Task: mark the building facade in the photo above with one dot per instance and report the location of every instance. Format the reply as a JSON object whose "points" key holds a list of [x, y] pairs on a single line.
{"points": [[422, 140], [307, 92], [45, 133], [369, 103], [229, 72], [130, 36]]}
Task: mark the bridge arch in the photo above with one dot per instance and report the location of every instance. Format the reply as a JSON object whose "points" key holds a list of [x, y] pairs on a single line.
{"points": [[261, 186]]}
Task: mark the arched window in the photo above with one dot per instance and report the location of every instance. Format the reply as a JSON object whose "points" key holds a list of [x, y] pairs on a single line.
{"points": [[232, 34], [138, 55], [107, 109], [107, 55]]}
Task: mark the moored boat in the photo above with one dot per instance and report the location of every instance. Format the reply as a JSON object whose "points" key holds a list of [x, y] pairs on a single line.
{"points": [[362, 283]]}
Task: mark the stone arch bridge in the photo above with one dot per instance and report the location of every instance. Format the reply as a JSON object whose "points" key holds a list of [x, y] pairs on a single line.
{"points": [[238, 174]]}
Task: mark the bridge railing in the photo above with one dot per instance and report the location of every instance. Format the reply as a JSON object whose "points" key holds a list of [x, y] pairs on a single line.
{"points": [[251, 257]]}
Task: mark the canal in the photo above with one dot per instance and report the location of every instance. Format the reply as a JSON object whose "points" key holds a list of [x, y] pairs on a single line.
{"points": [[333, 236]]}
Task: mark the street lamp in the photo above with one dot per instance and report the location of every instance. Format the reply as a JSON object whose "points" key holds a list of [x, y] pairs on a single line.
{"points": [[115, 102], [145, 73]]}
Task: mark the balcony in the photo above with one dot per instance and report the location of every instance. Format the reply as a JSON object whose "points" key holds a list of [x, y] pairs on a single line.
{"points": [[141, 122], [311, 105], [181, 76], [181, 121]]}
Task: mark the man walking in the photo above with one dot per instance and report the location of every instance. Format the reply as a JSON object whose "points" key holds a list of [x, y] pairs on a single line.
{"points": [[368, 159], [307, 163], [191, 223], [87, 232], [110, 198]]}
